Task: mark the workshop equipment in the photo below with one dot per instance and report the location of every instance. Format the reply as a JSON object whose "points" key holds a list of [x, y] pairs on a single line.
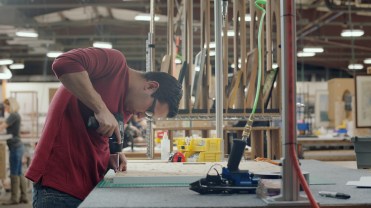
{"points": [[200, 149], [232, 180], [114, 146], [177, 157]]}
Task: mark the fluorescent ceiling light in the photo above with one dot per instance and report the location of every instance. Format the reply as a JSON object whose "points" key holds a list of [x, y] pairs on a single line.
{"points": [[5, 73], [27, 34], [102, 44], [212, 53], [355, 66], [230, 33], [247, 18], [274, 66], [145, 17], [17, 66], [212, 45], [54, 54], [313, 49], [352, 33], [6, 61], [305, 54], [367, 61]]}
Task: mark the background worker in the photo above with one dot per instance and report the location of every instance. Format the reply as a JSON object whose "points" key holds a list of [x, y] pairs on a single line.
{"points": [[71, 159], [12, 124]]}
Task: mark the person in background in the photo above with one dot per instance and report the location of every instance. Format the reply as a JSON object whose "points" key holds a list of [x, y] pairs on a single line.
{"points": [[70, 159], [12, 125]]}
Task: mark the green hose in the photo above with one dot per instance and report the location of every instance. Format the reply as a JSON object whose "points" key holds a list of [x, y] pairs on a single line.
{"points": [[247, 130], [257, 2]]}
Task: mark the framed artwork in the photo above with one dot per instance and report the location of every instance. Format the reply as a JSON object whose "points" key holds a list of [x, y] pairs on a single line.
{"points": [[363, 101], [321, 108]]}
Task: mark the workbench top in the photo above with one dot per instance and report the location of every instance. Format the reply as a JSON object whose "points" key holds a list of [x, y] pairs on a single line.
{"points": [[332, 178]]}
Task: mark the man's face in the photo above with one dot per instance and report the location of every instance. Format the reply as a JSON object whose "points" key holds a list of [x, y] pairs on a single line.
{"points": [[141, 101]]}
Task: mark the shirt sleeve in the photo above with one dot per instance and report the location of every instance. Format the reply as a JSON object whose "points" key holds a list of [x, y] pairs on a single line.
{"points": [[12, 118], [97, 62]]}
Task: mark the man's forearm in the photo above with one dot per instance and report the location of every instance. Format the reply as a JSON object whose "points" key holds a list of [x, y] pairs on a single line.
{"points": [[79, 84]]}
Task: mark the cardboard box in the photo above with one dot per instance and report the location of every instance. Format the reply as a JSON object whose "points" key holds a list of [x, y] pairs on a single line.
{"points": [[336, 89]]}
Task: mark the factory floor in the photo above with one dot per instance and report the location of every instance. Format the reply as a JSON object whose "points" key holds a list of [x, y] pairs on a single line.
{"points": [[4, 197]]}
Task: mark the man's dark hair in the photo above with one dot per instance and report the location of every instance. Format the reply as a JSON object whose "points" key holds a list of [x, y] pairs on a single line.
{"points": [[170, 90]]}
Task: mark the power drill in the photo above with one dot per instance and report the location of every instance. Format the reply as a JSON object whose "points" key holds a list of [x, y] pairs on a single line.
{"points": [[114, 147]]}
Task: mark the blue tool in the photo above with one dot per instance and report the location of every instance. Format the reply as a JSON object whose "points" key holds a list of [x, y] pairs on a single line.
{"points": [[232, 180]]}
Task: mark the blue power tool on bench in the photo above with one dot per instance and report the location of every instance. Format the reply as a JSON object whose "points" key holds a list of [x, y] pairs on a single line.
{"points": [[232, 180]]}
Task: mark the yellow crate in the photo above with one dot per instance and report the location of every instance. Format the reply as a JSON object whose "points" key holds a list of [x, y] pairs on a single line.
{"points": [[209, 157], [199, 145], [213, 144]]}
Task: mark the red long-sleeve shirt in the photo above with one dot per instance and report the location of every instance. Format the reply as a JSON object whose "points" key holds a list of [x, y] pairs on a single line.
{"points": [[69, 157]]}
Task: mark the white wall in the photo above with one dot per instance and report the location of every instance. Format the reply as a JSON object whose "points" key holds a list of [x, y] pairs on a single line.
{"points": [[31, 123], [42, 89]]}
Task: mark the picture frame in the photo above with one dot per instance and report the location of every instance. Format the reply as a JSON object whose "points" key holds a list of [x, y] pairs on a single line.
{"points": [[363, 101]]}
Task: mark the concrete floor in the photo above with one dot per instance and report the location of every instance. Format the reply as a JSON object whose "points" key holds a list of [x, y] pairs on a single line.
{"points": [[6, 197]]}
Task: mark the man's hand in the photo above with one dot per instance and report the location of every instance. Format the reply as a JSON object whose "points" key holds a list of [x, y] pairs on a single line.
{"points": [[113, 162], [108, 125]]}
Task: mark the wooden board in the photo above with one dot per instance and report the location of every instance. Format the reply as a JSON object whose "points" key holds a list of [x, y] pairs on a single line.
{"points": [[163, 172]]}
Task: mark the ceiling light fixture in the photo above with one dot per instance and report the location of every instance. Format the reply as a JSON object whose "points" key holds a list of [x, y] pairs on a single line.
{"points": [[100, 44], [6, 61], [352, 33], [313, 50], [305, 54], [5, 73], [16, 66], [145, 17], [367, 61], [27, 34], [355, 66], [54, 54]]}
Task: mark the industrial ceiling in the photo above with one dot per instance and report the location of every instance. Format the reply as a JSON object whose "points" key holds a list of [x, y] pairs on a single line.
{"points": [[64, 25]]}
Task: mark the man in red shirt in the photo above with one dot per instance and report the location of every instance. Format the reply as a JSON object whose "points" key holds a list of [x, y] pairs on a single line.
{"points": [[71, 159]]}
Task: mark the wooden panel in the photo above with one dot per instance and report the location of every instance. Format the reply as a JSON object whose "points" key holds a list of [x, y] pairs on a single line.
{"points": [[3, 161]]}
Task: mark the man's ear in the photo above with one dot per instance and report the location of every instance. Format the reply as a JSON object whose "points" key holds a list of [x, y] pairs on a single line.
{"points": [[151, 86]]}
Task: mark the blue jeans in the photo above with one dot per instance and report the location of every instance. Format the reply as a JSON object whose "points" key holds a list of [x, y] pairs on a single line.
{"points": [[45, 197], [15, 160]]}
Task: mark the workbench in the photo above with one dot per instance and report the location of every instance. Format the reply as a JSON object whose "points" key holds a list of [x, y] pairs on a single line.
{"points": [[334, 177], [304, 142]]}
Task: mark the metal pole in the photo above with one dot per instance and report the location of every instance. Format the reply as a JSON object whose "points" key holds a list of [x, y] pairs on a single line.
{"points": [[150, 65], [218, 69], [290, 182]]}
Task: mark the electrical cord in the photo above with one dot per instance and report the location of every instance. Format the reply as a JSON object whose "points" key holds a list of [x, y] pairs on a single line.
{"points": [[246, 134]]}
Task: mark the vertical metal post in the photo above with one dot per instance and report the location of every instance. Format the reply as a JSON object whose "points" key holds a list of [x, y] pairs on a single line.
{"points": [[290, 182], [218, 70], [150, 65]]}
